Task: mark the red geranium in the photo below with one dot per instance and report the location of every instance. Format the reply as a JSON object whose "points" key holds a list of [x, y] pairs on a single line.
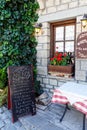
{"points": [[60, 59]]}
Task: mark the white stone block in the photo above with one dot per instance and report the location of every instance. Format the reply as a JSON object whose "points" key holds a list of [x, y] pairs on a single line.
{"points": [[41, 70], [49, 3], [42, 54], [53, 81], [39, 47], [44, 12], [38, 61], [46, 32], [82, 2], [49, 86], [46, 46], [80, 75], [60, 83], [44, 62], [57, 2], [78, 27], [45, 80], [84, 65], [51, 9], [39, 12], [41, 3], [65, 1], [73, 4], [45, 25], [43, 39], [78, 19], [78, 65], [62, 7]]}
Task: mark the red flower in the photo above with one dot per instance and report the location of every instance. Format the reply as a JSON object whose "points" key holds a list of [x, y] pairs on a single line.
{"points": [[60, 55], [59, 58], [65, 54], [51, 59]]}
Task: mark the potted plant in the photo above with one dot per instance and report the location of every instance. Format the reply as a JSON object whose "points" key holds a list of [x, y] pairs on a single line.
{"points": [[61, 65]]}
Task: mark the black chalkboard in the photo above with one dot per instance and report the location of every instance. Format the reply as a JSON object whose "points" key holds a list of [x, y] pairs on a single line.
{"points": [[21, 91]]}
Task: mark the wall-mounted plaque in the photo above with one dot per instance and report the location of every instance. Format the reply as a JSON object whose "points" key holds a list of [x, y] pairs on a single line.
{"points": [[81, 47], [20, 91]]}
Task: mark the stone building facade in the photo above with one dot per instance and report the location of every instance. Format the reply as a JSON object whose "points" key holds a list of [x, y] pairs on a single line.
{"points": [[53, 11]]}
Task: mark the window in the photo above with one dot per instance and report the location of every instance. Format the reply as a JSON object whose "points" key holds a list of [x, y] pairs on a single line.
{"points": [[63, 37]]}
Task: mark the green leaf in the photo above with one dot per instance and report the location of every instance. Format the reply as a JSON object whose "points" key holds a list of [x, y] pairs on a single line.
{"points": [[8, 0], [17, 42]]}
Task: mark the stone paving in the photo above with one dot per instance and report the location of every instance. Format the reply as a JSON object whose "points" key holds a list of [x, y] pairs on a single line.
{"points": [[43, 120]]}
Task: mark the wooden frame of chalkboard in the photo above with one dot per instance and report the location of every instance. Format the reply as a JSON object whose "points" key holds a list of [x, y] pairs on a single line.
{"points": [[21, 97]]}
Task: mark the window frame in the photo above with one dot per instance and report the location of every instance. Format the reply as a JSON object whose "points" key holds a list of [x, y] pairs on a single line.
{"points": [[52, 33]]}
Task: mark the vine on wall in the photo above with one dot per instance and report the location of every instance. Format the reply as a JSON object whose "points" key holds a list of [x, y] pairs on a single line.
{"points": [[17, 40]]}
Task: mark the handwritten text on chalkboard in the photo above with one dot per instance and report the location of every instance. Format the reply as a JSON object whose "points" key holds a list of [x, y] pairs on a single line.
{"points": [[22, 91]]}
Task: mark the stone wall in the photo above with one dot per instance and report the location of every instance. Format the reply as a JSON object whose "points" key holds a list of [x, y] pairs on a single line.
{"points": [[80, 64], [51, 11], [51, 6]]}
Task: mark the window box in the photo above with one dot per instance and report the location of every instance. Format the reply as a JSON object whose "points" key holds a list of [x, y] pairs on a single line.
{"points": [[61, 71]]}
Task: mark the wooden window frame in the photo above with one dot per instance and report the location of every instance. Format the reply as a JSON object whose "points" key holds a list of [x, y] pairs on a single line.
{"points": [[52, 32]]}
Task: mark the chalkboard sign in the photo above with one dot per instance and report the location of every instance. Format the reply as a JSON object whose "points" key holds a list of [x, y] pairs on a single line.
{"points": [[81, 48], [21, 92]]}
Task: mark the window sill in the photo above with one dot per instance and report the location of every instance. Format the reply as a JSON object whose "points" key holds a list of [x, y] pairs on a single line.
{"points": [[62, 78]]}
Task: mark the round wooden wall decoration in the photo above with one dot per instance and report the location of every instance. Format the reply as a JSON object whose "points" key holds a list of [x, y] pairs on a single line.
{"points": [[81, 47]]}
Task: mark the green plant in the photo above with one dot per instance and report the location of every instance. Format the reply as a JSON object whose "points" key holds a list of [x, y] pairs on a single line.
{"points": [[17, 40], [38, 90], [3, 78], [3, 96], [60, 59]]}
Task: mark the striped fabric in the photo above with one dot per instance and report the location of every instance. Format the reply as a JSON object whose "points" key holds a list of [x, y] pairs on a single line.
{"points": [[81, 106], [58, 97]]}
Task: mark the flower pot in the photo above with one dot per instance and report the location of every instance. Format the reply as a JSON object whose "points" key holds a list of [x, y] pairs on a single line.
{"points": [[63, 71]]}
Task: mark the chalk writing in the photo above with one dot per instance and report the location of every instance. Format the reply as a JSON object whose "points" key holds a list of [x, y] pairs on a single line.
{"points": [[22, 91]]}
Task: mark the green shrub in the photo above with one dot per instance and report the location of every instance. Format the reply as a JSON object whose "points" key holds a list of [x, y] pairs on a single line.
{"points": [[3, 96], [17, 40]]}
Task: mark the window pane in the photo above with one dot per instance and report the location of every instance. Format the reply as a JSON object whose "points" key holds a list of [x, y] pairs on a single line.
{"points": [[59, 46], [59, 33], [69, 32], [69, 46]]}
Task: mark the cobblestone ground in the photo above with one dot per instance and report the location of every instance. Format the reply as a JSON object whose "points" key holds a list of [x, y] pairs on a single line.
{"points": [[43, 120], [6, 121]]}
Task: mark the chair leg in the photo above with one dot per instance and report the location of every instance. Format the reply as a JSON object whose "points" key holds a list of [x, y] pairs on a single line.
{"points": [[84, 121], [64, 112]]}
